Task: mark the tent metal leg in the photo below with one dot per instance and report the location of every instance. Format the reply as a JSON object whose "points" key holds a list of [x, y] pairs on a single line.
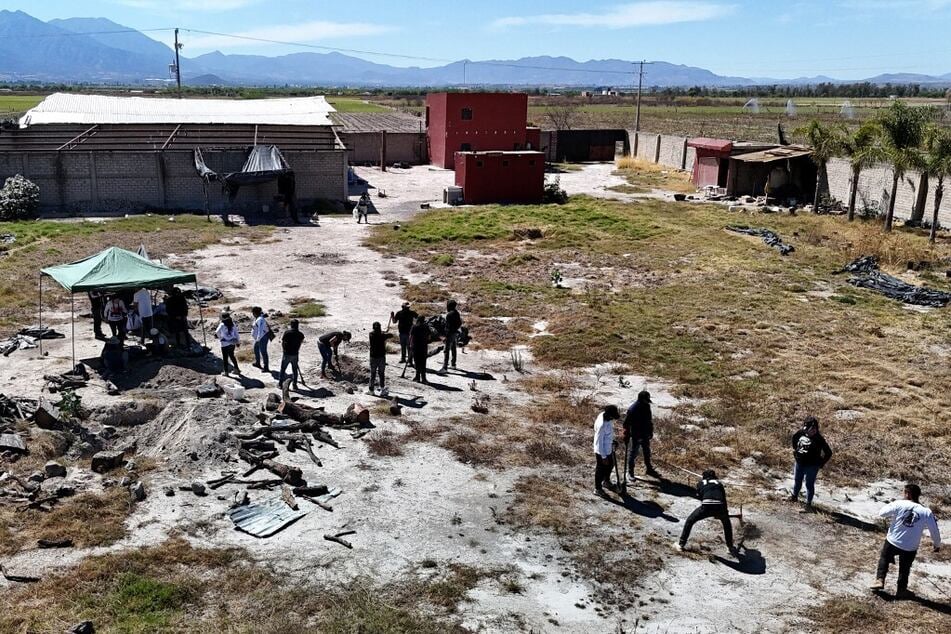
{"points": [[201, 318], [72, 325], [41, 313]]}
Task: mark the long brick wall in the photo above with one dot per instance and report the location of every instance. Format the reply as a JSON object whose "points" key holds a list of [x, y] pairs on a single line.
{"points": [[874, 183], [112, 182], [405, 147]]}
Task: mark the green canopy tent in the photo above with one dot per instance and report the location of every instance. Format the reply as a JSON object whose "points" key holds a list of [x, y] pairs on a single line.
{"points": [[112, 269]]}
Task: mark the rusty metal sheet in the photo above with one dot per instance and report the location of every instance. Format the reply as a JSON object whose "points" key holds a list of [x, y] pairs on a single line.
{"points": [[264, 519], [775, 154]]}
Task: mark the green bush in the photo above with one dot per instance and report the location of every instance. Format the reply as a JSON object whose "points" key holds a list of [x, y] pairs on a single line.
{"points": [[554, 194], [19, 199]]}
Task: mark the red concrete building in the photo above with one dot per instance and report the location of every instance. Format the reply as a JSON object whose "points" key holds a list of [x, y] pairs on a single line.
{"points": [[476, 122], [501, 177]]}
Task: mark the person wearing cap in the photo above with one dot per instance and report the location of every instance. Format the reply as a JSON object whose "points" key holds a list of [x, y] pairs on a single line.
{"points": [[638, 432], [453, 327], [378, 356], [712, 504], [227, 333], [143, 305], [908, 519], [811, 452], [604, 448], [328, 345], [404, 319], [261, 334], [290, 347]]}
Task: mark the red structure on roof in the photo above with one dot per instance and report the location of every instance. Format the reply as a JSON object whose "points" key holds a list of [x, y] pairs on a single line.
{"points": [[475, 122], [501, 177], [709, 170]]}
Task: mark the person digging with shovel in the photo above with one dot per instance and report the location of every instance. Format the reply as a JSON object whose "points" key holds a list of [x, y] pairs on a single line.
{"points": [[712, 504]]}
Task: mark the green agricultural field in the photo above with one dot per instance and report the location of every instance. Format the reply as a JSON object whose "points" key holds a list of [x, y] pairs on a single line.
{"points": [[353, 104], [16, 104]]}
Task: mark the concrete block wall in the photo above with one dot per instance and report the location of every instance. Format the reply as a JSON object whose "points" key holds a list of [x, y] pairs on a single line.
{"points": [[406, 147], [111, 182]]}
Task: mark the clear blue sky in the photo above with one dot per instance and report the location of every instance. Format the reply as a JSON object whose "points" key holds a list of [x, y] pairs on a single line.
{"points": [[754, 38]]}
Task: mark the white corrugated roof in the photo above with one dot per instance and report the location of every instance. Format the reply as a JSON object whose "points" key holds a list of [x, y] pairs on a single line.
{"points": [[93, 109]]}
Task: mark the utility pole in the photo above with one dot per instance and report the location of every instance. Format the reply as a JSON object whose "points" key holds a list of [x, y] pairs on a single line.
{"points": [[637, 115], [178, 66]]}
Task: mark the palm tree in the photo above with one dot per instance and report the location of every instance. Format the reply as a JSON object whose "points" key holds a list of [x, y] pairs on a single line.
{"points": [[937, 165], [863, 149], [903, 129], [826, 142]]}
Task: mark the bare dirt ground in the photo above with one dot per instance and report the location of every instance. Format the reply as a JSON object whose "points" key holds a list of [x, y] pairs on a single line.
{"points": [[429, 503]]}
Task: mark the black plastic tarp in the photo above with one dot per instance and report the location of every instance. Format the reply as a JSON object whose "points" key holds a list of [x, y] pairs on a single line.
{"points": [[264, 163]]}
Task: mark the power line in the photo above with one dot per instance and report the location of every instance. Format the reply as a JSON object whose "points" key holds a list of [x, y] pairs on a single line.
{"points": [[78, 34]]}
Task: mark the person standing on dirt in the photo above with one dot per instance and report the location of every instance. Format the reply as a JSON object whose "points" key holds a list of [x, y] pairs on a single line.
{"points": [[908, 520], [404, 319], [811, 452], [176, 310], [604, 448], [453, 327], [328, 345], [143, 304], [98, 305], [419, 348], [712, 504], [363, 207], [227, 333], [290, 347], [638, 432], [378, 355], [262, 335], [115, 314]]}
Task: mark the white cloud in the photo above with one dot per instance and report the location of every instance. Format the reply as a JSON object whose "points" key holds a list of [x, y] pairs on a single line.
{"points": [[626, 15], [903, 5], [187, 5], [301, 32]]}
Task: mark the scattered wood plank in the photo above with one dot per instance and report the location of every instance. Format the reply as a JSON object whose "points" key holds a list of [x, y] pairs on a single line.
{"points": [[339, 540], [288, 497], [17, 578]]}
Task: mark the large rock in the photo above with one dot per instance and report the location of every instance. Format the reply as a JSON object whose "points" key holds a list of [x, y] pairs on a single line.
{"points": [[208, 390], [106, 461], [138, 491], [48, 416], [54, 469], [86, 627]]}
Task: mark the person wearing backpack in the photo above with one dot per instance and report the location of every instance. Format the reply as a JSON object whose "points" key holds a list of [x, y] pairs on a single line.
{"points": [[811, 452], [262, 335]]}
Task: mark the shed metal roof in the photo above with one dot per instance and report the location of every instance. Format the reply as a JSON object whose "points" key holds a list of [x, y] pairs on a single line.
{"points": [[781, 153], [705, 143], [62, 108]]}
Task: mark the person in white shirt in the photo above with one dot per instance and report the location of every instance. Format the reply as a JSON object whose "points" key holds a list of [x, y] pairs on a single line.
{"points": [[143, 304], [908, 520], [261, 334], [115, 313], [227, 333], [604, 448]]}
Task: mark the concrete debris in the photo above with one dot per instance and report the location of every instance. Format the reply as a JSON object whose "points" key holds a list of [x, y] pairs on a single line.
{"points": [[47, 416], [208, 390], [106, 461], [36, 476], [12, 442], [138, 491], [86, 627]]}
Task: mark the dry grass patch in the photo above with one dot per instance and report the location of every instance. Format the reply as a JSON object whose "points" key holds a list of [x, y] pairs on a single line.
{"points": [[644, 176], [88, 519], [384, 442], [843, 615]]}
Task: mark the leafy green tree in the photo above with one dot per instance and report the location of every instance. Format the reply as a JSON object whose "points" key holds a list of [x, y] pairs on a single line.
{"points": [[938, 166], [826, 143], [863, 149], [903, 132]]}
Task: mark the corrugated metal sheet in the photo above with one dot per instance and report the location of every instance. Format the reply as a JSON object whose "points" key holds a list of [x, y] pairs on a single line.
{"points": [[264, 519], [93, 109], [776, 154], [396, 122]]}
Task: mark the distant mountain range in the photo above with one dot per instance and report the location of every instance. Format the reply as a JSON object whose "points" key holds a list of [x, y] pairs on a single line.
{"points": [[88, 50]]}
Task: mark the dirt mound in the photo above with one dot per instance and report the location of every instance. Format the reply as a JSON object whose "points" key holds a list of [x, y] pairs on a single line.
{"points": [[191, 435], [127, 413]]}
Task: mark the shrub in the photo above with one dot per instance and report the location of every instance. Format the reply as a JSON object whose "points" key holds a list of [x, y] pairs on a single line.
{"points": [[554, 194], [19, 198]]}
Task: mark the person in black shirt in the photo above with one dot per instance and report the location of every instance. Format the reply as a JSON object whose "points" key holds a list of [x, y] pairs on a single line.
{"points": [[327, 345], [98, 304], [419, 347], [712, 504], [638, 432], [811, 452], [176, 310], [290, 347], [453, 326], [377, 355], [404, 319]]}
